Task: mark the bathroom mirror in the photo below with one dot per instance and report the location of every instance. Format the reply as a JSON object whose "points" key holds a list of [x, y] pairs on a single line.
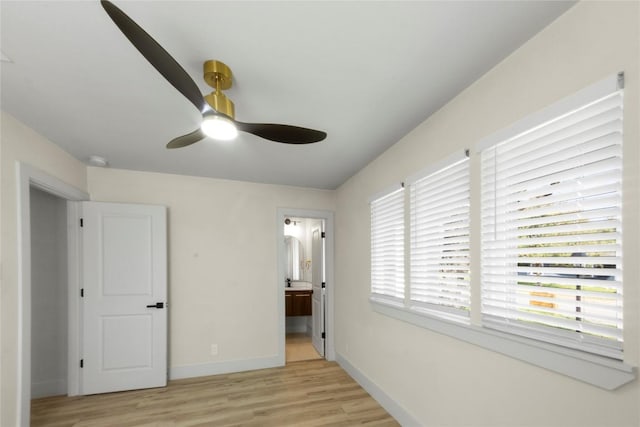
{"points": [[295, 258]]}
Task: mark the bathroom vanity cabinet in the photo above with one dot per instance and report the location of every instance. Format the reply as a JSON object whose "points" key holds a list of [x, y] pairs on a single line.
{"points": [[297, 302]]}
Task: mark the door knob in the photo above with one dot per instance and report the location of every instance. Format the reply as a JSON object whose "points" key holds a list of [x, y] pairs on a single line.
{"points": [[156, 305]]}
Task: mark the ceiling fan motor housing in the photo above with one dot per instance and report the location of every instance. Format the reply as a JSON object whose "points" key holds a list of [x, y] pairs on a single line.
{"points": [[219, 102], [219, 76]]}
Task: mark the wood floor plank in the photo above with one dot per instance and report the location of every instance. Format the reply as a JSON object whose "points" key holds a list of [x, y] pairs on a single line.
{"points": [[308, 393]]}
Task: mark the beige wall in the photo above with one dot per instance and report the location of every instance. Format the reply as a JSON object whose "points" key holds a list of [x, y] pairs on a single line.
{"points": [[222, 258], [443, 381], [20, 143]]}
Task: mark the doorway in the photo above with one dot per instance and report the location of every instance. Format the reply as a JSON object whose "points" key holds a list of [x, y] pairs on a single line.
{"points": [[49, 294], [304, 293], [305, 276], [28, 178]]}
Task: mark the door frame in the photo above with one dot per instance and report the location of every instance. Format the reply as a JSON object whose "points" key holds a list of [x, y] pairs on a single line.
{"points": [[327, 216], [26, 177]]}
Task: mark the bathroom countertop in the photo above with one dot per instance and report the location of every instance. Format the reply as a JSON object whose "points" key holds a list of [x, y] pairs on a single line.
{"points": [[299, 286]]}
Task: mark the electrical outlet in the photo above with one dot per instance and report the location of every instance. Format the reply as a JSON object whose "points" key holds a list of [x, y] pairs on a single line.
{"points": [[214, 349]]}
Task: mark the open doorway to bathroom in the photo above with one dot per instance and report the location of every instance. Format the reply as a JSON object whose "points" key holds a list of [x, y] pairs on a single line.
{"points": [[304, 288]]}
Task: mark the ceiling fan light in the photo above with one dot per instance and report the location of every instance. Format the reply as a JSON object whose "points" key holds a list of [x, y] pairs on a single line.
{"points": [[218, 127]]}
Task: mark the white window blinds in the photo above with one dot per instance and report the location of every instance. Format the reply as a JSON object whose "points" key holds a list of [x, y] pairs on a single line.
{"points": [[552, 229], [387, 245], [439, 258]]}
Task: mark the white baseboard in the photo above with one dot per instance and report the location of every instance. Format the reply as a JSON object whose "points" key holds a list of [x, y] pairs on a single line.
{"points": [[391, 406], [225, 367], [48, 388]]}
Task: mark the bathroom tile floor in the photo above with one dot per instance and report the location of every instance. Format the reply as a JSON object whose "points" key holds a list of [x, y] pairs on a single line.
{"points": [[299, 347]]}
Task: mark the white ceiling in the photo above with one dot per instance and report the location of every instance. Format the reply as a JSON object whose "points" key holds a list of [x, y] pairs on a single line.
{"points": [[365, 72]]}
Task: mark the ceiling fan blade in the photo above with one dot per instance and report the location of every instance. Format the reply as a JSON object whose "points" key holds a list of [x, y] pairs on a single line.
{"points": [[156, 55], [282, 133], [188, 139]]}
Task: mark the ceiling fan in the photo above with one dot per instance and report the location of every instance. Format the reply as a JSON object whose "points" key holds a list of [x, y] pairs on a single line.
{"points": [[218, 114]]}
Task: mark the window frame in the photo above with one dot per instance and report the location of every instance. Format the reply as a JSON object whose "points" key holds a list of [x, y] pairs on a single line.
{"points": [[398, 282], [600, 371], [542, 215], [459, 163]]}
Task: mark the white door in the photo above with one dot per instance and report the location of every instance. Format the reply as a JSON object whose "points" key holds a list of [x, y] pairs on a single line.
{"points": [[317, 280], [125, 297]]}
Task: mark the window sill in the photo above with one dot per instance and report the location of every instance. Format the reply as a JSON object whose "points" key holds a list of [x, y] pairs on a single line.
{"points": [[602, 372]]}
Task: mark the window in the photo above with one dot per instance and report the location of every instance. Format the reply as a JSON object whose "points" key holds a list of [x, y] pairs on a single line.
{"points": [[387, 246], [547, 243], [439, 230], [552, 229]]}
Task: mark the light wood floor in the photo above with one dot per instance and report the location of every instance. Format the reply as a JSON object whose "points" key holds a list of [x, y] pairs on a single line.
{"points": [[298, 347], [309, 393]]}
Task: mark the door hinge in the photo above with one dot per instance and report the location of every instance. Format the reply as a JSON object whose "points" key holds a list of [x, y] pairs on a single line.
{"points": [[324, 285], [82, 293], [323, 335], [81, 222], [323, 235], [82, 363]]}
